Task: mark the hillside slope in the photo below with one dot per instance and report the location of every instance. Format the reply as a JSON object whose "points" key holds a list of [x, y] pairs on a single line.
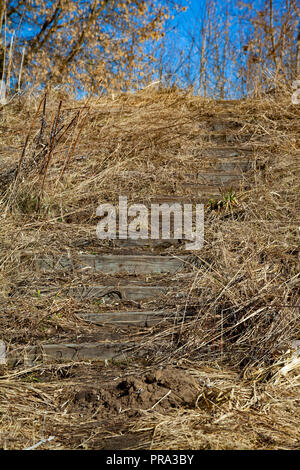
{"points": [[107, 338]]}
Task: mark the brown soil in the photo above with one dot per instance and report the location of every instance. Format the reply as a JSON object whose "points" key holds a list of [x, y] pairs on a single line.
{"points": [[160, 389]]}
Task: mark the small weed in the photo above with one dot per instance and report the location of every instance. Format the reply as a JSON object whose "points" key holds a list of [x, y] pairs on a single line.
{"points": [[226, 203], [31, 378]]}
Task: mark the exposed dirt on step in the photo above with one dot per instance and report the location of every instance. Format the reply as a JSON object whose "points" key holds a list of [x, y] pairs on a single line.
{"points": [[159, 389], [111, 402]]}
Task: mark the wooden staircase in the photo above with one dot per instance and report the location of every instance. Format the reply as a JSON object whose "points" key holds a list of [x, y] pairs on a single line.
{"points": [[121, 269]]}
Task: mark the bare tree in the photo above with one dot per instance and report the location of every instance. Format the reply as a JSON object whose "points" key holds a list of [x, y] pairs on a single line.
{"points": [[84, 42]]}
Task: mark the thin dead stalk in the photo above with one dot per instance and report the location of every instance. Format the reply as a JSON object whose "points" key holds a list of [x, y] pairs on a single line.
{"points": [[51, 145]]}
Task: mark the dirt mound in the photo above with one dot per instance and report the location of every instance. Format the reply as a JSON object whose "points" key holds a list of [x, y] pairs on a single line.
{"points": [[160, 389]]}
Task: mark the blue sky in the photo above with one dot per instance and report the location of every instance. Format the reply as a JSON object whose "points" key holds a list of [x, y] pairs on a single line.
{"points": [[188, 26]]}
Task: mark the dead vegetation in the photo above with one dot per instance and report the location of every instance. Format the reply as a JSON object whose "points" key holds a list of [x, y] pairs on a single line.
{"points": [[243, 291]]}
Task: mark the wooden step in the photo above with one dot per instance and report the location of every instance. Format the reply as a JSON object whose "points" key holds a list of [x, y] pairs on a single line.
{"points": [[132, 318], [94, 351], [224, 152], [203, 176], [221, 132], [106, 293], [207, 174], [237, 164], [112, 264], [216, 189], [202, 189], [222, 126], [118, 244], [225, 185], [162, 243], [216, 178], [239, 139]]}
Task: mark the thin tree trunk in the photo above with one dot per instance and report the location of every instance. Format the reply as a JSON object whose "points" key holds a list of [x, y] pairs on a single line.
{"points": [[298, 55], [275, 58]]}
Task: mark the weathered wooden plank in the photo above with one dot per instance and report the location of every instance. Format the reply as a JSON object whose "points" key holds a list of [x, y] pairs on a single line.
{"points": [[134, 318], [223, 185], [138, 264], [107, 293], [130, 243], [162, 243], [205, 176], [223, 127], [84, 351], [214, 132], [101, 351], [237, 164], [135, 293], [224, 152], [226, 136], [217, 179], [196, 187], [111, 264]]}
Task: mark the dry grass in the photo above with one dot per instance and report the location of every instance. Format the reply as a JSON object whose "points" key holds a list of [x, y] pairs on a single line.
{"points": [[245, 280], [232, 413]]}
